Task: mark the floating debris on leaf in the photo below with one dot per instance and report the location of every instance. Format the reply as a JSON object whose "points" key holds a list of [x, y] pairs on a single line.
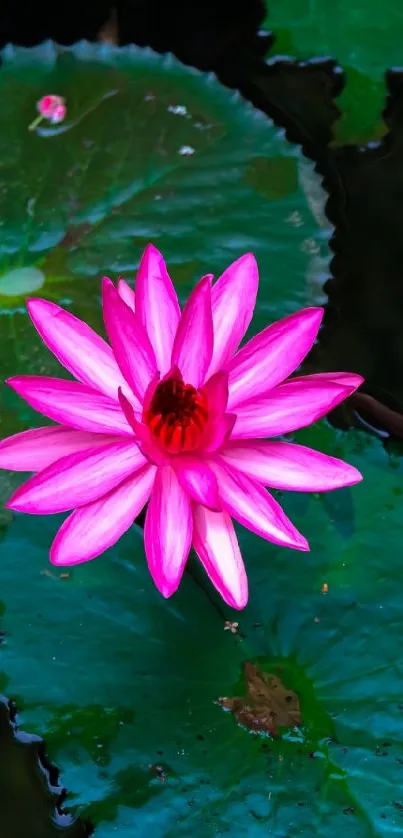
{"points": [[230, 626], [186, 150], [159, 772], [267, 706]]}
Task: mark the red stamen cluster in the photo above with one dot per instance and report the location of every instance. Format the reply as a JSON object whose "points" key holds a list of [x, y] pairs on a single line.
{"points": [[177, 415]]}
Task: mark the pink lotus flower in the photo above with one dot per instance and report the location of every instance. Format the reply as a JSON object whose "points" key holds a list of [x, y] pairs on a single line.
{"points": [[175, 414], [50, 107]]}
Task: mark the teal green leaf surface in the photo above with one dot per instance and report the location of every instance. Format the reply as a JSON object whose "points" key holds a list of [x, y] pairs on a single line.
{"points": [[123, 685]]}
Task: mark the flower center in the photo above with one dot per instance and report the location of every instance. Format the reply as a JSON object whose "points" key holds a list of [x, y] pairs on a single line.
{"points": [[177, 415]]}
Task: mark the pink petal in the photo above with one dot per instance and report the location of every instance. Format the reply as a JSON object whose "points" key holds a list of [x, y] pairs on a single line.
{"points": [[233, 299], [128, 410], [47, 104], [216, 544], [251, 505], [90, 530], [197, 479], [168, 531], [77, 479], [272, 355], [347, 379], [216, 390], [129, 339], [193, 345], [218, 432], [71, 404], [149, 393], [78, 348], [287, 408], [35, 450], [284, 465], [58, 114], [220, 424], [126, 294], [145, 439], [157, 305]]}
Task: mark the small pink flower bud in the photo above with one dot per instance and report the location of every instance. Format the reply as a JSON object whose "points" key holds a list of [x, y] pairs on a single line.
{"points": [[52, 108], [46, 105]]}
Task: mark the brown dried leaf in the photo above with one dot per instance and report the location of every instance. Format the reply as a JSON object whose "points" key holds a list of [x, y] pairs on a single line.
{"points": [[109, 33], [267, 706]]}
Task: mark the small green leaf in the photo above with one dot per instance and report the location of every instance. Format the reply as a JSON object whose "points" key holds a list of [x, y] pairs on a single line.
{"points": [[20, 282]]}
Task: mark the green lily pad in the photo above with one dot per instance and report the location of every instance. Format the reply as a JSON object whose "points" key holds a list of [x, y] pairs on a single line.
{"points": [[364, 38], [131, 707], [123, 685]]}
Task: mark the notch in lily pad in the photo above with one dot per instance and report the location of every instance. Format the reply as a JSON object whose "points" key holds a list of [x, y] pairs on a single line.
{"points": [[31, 799]]}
